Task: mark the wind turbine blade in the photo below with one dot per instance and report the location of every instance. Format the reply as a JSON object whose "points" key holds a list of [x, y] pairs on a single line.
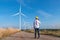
{"points": [[23, 15], [15, 14]]}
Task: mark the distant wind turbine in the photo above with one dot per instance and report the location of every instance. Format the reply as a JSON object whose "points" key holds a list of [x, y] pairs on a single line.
{"points": [[19, 14]]}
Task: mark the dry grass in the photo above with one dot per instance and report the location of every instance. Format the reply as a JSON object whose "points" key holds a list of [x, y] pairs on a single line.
{"points": [[7, 32], [53, 33], [47, 32]]}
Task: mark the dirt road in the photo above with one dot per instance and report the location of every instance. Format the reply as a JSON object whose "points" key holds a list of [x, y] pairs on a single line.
{"points": [[29, 36]]}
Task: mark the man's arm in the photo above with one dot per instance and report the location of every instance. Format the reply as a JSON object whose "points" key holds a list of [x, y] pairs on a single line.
{"points": [[34, 25], [39, 23]]}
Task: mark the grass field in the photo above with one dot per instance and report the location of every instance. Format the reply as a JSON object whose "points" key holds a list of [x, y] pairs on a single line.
{"points": [[10, 31], [52, 32], [7, 32]]}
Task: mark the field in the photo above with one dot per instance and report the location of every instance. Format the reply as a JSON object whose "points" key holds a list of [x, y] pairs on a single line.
{"points": [[52, 32], [10, 31], [7, 32]]}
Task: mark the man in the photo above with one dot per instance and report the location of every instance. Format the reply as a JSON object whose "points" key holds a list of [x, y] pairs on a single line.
{"points": [[36, 25]]}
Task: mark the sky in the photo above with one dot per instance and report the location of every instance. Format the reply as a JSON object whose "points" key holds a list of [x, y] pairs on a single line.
{"points": [[48, 12]]}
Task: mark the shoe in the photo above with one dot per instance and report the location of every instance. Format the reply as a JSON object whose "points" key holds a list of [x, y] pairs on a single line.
{"points": [[38, 38], [34, 37]]}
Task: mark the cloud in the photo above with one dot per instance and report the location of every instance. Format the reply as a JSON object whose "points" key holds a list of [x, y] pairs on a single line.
{"points": [[43, 13]]}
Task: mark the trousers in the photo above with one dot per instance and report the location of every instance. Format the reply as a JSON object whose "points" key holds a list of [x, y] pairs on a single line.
{"points": [[37, 32]]}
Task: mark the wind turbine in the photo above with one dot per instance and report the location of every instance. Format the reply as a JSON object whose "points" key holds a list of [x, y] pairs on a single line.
{"points": [[19, 14], [20, 18]]}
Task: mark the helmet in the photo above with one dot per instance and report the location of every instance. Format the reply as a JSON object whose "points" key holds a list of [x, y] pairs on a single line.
{"points": [[36, 17]]}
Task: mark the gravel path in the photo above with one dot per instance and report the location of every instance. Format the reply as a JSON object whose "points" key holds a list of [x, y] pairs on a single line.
{"points": [[29, 36]]}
